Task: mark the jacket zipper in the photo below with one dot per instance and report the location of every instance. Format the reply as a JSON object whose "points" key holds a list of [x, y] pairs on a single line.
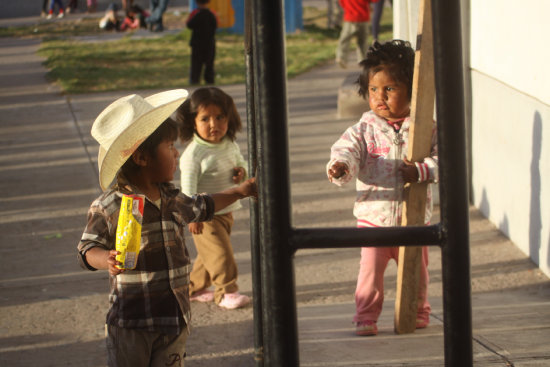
{"points": [[398, 141]]}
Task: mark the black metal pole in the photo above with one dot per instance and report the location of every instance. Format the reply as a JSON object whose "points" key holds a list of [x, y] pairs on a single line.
{"points": [[453, 183], [278, 294], [252, 165]]}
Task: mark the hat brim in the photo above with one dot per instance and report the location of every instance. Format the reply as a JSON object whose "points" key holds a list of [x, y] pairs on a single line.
{"points": [[110, 160]]}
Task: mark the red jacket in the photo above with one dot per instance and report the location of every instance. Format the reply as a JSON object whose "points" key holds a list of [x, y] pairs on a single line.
{"points": [[356, 10]]}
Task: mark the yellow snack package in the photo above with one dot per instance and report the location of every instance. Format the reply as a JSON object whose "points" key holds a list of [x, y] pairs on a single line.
{"points": [[128, 232]]}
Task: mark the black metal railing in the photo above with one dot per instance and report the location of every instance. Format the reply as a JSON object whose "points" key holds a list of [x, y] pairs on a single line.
{"points": [[274, 240]]}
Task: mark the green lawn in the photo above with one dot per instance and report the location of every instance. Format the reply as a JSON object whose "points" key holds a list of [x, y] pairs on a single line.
{"points": [[163, 63]]}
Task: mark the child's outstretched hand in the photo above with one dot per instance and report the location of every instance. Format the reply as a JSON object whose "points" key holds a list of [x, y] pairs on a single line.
{"points": [[229, 196], [238, 174], [196, 227], [408, 171], [248, 188], [338, 170]]}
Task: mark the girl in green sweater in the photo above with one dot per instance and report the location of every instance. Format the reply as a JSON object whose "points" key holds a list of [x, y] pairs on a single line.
{"points": [[211, 162]]}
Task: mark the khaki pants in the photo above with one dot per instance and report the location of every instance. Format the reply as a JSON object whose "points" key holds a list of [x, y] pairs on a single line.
{"points": [[215, 263], [139, 348], [350, 30]]}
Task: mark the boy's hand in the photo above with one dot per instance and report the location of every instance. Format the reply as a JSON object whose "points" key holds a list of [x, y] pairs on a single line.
{"points": [[227, 197], [112, 263], [248, 188], [196, 227], [238, 174], [408, 171], [338, 170]]}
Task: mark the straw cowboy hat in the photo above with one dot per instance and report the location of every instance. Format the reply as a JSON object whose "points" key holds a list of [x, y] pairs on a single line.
{"points": [[125, 124]]}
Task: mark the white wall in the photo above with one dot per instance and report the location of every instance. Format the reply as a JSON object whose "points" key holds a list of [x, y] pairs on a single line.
{"points": [[509, 42], [511, 164], [510, 102], [510, 74]]}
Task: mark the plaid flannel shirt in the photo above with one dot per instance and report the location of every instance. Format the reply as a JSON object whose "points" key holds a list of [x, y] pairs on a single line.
{"points": [[155, 295]]}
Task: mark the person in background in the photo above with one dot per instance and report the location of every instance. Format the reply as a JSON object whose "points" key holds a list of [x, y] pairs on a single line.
{"points": [[135, 18], [154, 20], [355, 25], [203, 24], [378, 9], [72, 6], [60, 6], [110, 21], [45, 8]]}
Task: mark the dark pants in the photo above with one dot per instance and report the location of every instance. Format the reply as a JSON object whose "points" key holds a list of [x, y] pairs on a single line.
{"points": [[378, 8], [158, 7], [202, 56]]}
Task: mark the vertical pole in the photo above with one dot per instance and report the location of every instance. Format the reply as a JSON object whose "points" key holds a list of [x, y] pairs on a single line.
{"points": [[278, 294], [252, 166], [453, 183]]}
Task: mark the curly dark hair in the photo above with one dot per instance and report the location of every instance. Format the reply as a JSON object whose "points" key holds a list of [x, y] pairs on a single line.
{"points": [[396, 56], [185, 115]]}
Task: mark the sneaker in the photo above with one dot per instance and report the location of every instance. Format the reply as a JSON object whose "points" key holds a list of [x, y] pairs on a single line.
{"points": [[422, 323], [235, 300], [366, 328], [61, 15], [50, 16], [204, 295]]}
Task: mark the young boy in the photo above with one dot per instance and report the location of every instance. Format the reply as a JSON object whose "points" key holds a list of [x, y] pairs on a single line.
{"points": [[203, 24], [149, 315]]}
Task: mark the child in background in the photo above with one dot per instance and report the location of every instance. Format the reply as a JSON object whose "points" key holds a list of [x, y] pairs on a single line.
{"points": [[61, 9], [154, 20], [135, 18], [149, 314], [203, 24], [110, 20], [355, 25], [212, 161], [374, 150]]}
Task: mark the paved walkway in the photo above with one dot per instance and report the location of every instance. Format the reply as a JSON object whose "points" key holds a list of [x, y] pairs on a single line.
{"points": [[51, 312]]}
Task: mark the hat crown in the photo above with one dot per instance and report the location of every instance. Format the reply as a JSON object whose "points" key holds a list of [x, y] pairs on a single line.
{"points": [[118, 117]]}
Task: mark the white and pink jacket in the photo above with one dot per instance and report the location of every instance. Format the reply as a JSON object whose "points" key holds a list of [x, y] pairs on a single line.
{"points": [[373, 151]]}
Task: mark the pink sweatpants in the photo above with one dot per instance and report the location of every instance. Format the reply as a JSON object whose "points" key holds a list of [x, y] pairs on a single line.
{"points": [[369, 294]]}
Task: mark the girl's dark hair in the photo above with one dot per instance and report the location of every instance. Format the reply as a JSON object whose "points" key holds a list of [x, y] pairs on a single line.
{"points": [[168, 130], [185, 115], [396, 56]]}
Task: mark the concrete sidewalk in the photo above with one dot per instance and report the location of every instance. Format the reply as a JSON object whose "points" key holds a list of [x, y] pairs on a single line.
{"points": [[52, 312]]}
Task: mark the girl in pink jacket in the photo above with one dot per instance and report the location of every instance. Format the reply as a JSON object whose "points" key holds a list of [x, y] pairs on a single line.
{"points": [[374, 151]]}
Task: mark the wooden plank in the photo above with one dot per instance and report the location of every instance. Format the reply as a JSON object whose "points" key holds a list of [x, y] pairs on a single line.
{"points": [[420, 135]]}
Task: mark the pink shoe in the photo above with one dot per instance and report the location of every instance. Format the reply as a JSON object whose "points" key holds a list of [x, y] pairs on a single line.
{"points": [[422, 323], [366, 328], [234, 300], [204, 295]]}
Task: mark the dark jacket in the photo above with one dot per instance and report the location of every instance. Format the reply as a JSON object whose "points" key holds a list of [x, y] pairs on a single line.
{"points": [[203, 23]]}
